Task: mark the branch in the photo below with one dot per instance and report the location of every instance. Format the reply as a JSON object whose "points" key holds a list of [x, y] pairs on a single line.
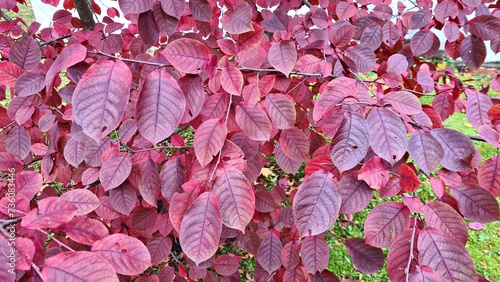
{"points": [[86, 13], [61, 244], [220, 155], [410, 258]]}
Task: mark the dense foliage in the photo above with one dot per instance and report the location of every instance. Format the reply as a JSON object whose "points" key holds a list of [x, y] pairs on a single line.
{"points": [[135, 151]]}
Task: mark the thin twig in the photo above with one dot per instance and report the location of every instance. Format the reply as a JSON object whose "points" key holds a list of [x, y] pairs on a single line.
{"points": [[127, 60], [410, 258], [36, 269], [61, 244], [162, 148]]}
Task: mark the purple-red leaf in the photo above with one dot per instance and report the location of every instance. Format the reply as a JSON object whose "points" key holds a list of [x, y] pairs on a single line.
{"points": [[365, 258], [489, 175], [287, 164], [231, 80], [26, 53], [253, 121], [84, 200], [294, 144], [69, 56], [397, 63], [135, 6], [101, 96], [238, 20], [149, 184], [281, 110], [363, 56], [201, 10], [283, 56], [444, 9], [385, 223], [74, 152], [477, 105], [125, 253], [268, 255], [420, 18], [236, 198], [94, 151], [421, 42], [78, 266], [201, 228], [29, 83], [115, 170], [51, 212], [315, 253], [443, 217], [445, 255], [160, 106], [226, 265], [171, 177], [27, 184], [290, 255], [159, 248], [476, 203], [388, 134], [356, 194], [123, 198], [85, 230], [458, 149], [425, 150], [404, 102], [425, 273], [350, 143], [399, 255], [209, 139], [188, 55], [317, 203], [18, 142], [486, 27], [174, 8], [473, 51]]}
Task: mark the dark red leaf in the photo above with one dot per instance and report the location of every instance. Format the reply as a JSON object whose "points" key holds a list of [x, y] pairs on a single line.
{"points": [[290, 255], [473, 51], [51, 212], [253, 121], [79, 265], [489, 176], [385, 223], [458, 149], [476, 203], [356, 194], [399, 255], [268, 255], [425, 150], [445, 218], [365, 258], [486, 27], [315, 253], [209, 139], [188, 55]]}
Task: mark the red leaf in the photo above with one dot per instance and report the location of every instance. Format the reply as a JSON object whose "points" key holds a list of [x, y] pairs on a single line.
{"points": [[399, 255], [287, 164], [489, 176], [308, 63], [253, 121], [425, 150], [458, 149], [445, 9], [231, 80], [51, 213], [316, 204], [209, 139], [443, 217], [350, 143], [374, 172], [283, 56], [365, 258], [115, 170], [201, 10], [372, 36], [148, 30], [295, 144], [345, 10], [473, 51], [445, 255], [315, 253], [18, 142], [27, 184], [79, 265], [94, 150], [159, 248], [404, 102], [281, 110], [238, 20], [388, 134], [425, 273], [290, 255], [420, 18], [226, 265], [160, 106], [478, 105], [126, 254], [69, 56], [26, 53], [408, 179], [356, 194], [123, 198], [476, 203], [135, 6], [84, 200], [486, 27], [85, 230], [236, 198], [174, 8], [74, 152], [421, 42], [385, 223], [149, 184], [171, 177], [363, 56], [201, 228], [29, 83], [101, 96], [269, 253], [188, 55]]}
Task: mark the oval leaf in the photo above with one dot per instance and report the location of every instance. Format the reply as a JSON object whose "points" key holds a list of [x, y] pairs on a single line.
{"points": [[125, 253], [356, 194], [290, 255], [404, 102], [209, 139], [316, 204], [476, 203], [188, 55], [269, 252], [283, 56], [489, 175], [281, 110], [101, 96], [295, 144], [385, 223], [315, 253], [51, 213], [115, 170], [458, 149], [84, 200], [201, 228], [253, 121], [443, 217], [26, 53], [365, 258], [425, 150]]}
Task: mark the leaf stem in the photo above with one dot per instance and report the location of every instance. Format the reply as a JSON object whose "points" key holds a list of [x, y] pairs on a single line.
{"points": [[410, 258], [220, 155]]}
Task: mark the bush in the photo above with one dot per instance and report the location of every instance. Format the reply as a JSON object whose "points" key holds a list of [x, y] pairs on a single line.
{"points": [[142, 151]]}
